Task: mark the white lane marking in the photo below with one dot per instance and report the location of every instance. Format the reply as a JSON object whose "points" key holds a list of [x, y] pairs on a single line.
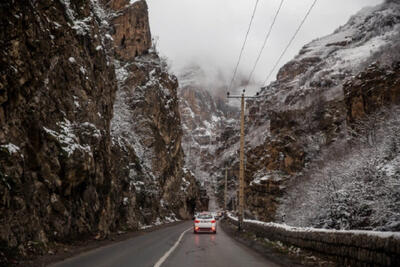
{"points": [[166, 255]]}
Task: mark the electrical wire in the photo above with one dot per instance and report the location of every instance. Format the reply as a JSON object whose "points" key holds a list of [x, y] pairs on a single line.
{"points": [[243, 46], [290, 42], [265, 42]]}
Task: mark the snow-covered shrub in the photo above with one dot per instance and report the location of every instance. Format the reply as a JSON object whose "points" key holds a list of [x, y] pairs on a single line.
{"points": [[353, 185], [388, 54]]}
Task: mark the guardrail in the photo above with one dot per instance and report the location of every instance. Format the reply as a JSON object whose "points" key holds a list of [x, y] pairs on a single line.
{"points": [[350, 248]]}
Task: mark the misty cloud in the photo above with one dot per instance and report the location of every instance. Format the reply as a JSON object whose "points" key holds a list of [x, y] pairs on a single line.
{"points": [[209, 33]]}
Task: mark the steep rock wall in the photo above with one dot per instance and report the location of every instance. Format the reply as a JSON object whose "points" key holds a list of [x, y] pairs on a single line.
{"points": [[68, 84], [372, 89], [131, 33], [146, 127], [57, 89]]}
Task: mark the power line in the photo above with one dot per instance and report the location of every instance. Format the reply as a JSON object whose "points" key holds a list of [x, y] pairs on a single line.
{"points": [[265, 41], [244, 44], [290, 42]]}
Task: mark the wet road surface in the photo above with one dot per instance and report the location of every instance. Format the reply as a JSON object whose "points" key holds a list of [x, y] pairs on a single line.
{"points": [[161, 247]]}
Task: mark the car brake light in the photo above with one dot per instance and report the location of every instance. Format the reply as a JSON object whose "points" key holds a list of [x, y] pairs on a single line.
{"points": [[213, 221], [213, 228], [196, 221], [197, 228]]}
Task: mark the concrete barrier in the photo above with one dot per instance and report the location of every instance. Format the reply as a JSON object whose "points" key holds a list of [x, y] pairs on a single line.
{"points": [[350, 248]]}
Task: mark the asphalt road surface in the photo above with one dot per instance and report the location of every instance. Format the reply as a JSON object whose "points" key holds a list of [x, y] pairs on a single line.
{"points": [[174, 246]]}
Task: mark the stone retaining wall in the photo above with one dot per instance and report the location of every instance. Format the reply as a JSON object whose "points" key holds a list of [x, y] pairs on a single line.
{"points": [[350, 248]]}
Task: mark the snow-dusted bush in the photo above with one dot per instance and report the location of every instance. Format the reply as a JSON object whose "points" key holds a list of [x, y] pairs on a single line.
{"points": [[388, 55], [353, 185]]}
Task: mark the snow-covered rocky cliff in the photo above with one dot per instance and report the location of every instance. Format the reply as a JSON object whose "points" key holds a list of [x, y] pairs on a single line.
{"points": [[90, 134], [322, 66], [205, 115], [313, 117]]}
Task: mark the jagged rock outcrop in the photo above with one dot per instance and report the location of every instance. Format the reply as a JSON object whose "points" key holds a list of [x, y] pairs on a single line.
{"points": [[131, 32], [372, 89], [90, 136]]}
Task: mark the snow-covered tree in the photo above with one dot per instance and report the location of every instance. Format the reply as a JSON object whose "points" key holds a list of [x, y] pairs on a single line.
{"points": [[352, 187]]}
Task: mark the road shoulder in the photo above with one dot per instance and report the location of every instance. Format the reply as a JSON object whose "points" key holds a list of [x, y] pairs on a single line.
{"points": [[276, 252], [63, 251]]}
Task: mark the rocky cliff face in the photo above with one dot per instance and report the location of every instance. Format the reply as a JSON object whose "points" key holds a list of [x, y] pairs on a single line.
{"points": [[313, 106], [57, 87], [205, 116], [146, 130], [131, 31], [90, 137], [375, 87]]}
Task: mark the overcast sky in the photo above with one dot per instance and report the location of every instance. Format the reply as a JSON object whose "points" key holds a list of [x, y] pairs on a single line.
{"points": [[210, 32]]}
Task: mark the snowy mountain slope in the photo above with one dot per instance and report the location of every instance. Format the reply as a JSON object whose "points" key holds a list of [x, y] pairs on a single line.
{"points": [[313, 107], [321, 67]]}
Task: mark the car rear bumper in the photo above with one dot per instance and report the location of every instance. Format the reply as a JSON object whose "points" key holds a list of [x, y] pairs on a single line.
{"points": [[204, 230]]}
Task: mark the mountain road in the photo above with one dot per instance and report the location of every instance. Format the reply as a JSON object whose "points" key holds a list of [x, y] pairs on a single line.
{"points": [[173, 246]]}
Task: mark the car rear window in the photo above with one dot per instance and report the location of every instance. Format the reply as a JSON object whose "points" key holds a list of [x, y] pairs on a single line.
{"points": [[204, 216]]}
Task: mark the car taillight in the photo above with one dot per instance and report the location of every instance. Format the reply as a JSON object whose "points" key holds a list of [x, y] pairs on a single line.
{"points": [[196, 221], [212, 228], [197, 228], [213, 221]]}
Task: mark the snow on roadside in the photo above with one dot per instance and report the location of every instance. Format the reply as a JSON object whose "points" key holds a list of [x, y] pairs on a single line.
{"points": [[318, 230], [168, 219]]}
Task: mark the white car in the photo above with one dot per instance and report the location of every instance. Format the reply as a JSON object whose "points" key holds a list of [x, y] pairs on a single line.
{"points": [[205, 222]]}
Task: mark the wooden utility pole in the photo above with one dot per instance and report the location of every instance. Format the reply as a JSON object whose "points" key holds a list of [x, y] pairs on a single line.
{"points": [[241, 170], [226, 189]]}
